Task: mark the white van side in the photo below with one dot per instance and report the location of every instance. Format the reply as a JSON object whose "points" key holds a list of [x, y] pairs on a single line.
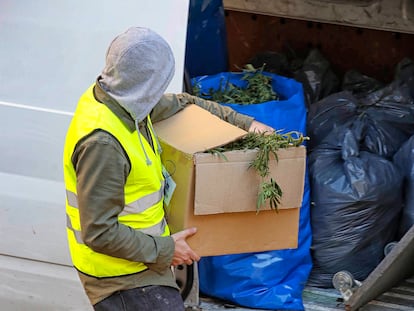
{"points": [[52, 52]]}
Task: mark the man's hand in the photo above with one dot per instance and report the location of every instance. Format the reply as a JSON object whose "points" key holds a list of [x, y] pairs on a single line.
{"points": [[183, 254], [259, 127]]}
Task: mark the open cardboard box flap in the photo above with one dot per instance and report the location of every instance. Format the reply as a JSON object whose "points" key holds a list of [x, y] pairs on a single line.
{"points": [[195, 129]]}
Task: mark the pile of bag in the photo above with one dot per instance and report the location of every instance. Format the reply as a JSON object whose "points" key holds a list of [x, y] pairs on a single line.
{"points": [[359, 154]]}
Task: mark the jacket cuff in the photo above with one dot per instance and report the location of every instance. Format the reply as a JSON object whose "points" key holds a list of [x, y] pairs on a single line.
{"points": [[165, 247]]}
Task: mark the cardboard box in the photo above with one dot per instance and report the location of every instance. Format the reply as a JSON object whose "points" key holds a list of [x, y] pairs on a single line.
{"points": [[218, 196]]}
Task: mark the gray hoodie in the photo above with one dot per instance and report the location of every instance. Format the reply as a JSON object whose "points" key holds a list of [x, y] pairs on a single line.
{"points": [[139, 67]]}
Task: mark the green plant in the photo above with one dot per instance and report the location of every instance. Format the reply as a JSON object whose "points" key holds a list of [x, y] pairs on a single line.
{"points": [[258, 89]]}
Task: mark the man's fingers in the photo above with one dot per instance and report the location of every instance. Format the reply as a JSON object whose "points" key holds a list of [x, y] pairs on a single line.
{"points": [[183, 252], [189, 232], [184, 234]]}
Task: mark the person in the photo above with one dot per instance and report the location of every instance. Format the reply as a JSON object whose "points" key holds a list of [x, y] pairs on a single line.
{"points": [[118, 238]]}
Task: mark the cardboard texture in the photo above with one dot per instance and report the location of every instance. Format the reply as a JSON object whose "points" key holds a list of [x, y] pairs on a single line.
{"points": [[218, 196], [233, 186]]}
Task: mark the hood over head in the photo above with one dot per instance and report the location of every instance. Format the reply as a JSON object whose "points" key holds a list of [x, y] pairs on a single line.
{"points": [[139, 67]]}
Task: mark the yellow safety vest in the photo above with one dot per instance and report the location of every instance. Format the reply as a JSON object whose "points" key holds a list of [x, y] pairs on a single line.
{"points": [[143, 190]]}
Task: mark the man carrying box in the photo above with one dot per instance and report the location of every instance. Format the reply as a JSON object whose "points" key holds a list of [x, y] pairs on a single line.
{"points": [[118, 238]]}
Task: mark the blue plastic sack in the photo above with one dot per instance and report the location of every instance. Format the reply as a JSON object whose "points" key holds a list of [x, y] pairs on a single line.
{"points": [[286, 114], [273, 279]]}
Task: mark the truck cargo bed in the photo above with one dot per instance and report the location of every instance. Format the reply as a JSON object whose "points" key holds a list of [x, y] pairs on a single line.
{"points": [[399, 298]]}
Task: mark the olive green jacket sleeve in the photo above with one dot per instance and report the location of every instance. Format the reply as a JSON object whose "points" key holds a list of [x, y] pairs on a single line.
{"points": [[172, 103], [102, 168]]}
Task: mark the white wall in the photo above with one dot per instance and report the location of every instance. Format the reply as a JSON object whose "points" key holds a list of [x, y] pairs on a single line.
{"points": [[51, 50]]}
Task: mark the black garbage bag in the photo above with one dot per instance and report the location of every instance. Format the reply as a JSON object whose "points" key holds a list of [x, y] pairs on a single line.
{"points": [[310, 68], [329, 113], [359, 84], [357, 200], [317, 77], [404, 72], [390, 112], [274, 62], [404, 160], [387, 114]]}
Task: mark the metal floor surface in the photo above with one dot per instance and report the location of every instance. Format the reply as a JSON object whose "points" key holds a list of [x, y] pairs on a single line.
{"points": [[399, 298]]}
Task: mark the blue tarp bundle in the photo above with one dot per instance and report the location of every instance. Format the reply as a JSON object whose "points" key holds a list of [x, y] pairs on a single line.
{"points": [[206, 44], [271, 279], [286, 114]]}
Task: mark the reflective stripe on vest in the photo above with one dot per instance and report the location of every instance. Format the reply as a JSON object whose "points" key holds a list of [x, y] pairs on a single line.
{"points": [[156, 230], [133, 208], [143, 209]]}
